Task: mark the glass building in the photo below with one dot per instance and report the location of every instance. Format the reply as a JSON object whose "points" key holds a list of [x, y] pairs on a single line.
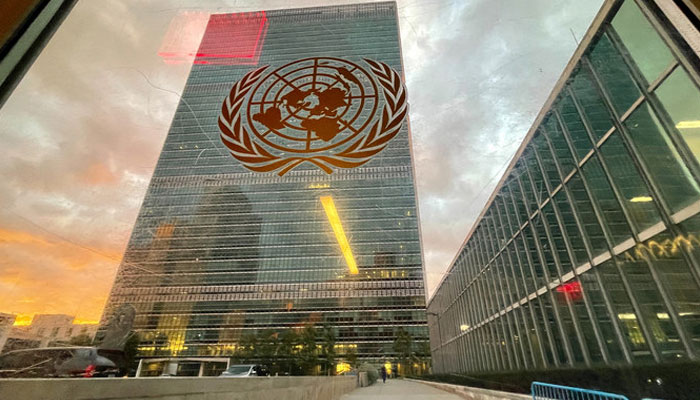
{"points": [[588, 252], [219, 251]]}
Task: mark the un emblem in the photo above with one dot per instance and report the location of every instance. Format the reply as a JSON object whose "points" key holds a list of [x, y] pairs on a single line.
{"points": [[325, 111]]}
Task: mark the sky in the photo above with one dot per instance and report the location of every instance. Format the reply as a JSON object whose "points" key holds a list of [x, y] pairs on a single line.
{"points": [[82, 132]]}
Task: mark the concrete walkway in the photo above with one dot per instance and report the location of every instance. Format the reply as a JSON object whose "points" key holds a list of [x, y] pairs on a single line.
{"points": [[398, 389]]}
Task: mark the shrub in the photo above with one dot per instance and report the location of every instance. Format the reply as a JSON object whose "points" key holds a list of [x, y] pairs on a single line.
{"points": [[372, 373]]}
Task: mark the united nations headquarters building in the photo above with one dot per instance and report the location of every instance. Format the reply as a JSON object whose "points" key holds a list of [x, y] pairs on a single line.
{"points": [[588, 252], [280, 225]]}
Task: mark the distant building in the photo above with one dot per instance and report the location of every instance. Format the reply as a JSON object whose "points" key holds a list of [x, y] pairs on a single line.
{"points": [[588, 252], [48, 330], [25, 28], [6, 322]]}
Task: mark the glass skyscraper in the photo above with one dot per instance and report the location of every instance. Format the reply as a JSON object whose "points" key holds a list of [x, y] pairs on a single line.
{"points": [[588, 252], [222, 249]]}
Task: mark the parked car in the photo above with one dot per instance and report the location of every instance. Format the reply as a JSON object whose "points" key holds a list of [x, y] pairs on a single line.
{"points": [[244, 371], [56, 362]]}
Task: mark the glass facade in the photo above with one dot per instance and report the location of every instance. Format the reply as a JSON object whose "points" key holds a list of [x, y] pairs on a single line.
{"points": [[219, 252], [587, 253]]}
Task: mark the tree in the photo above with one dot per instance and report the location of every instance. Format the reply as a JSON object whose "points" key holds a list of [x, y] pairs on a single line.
{"points": [[81, 340], [308, 355], [267, 347], [422, 354], [403, 347], [286, 354], [246, 348], [351, 357], [328, 349]]}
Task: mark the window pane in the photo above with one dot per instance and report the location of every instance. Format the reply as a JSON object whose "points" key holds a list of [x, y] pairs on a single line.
{"points": [[681, 99], [646, 292], [545, 247], [526, 186], [519, 202], [616, 78], [610, 208], [535, 175], [683, 286], [641, 40], [547, 159], [626, 178], [571, 228], [626, 315], [587, 215], [559, 144], [577, 131], [591, 102], [557, 238], [591, 288], [668, 171]]}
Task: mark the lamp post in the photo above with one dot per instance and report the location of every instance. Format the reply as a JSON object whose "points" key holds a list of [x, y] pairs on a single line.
{"points": [[439, 332]]}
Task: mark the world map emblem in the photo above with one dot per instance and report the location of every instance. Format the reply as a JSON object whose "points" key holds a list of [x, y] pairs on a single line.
{"points": [[326, 111]]}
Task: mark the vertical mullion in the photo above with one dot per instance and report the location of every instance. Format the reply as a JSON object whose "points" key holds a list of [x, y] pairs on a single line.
{"points": [[491, 309], [538, 245], [665, 211], [477, 299], [555, 255], [530, 262], [500, 299], [570, 252], [523, 279], [645, 329], [489, 334], [509, 295]]}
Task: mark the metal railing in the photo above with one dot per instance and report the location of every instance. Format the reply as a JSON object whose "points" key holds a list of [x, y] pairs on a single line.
{"points": [[548, 391]]}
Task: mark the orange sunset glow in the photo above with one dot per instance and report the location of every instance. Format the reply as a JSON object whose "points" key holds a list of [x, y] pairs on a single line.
{"points": [[47, 275]]}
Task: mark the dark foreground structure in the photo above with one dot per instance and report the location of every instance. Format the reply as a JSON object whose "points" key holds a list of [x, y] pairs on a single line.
{"points": [[25, 28], [587, 255], [280, 225]]}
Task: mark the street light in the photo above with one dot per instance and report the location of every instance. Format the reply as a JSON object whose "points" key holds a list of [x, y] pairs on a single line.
{"points": [[439, 331]]}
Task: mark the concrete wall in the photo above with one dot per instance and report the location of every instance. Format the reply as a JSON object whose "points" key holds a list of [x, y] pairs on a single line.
{"points": [[273, 388], [472, 393]]}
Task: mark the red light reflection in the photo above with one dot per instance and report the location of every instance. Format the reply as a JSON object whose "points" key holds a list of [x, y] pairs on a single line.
{"points": [[229, 39], [233, 39], [571, 290]]}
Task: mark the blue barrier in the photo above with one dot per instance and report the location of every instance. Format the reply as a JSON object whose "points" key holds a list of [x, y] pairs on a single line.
{"points": [[548, 391]]}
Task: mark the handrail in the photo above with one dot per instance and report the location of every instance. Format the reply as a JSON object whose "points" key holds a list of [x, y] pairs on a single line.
{"points": [[549, 391]]}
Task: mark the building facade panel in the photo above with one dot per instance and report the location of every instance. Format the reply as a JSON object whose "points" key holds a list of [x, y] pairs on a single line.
{"points": [[587, 252], [219, 253]]}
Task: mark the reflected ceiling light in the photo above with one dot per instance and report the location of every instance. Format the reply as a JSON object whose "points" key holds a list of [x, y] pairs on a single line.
{"points": [[626, 316], [641, 199], [688, 124], [463, 327], [334, 219]]}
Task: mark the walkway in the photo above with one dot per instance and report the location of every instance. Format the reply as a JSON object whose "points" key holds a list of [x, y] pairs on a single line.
{"points": [[398, 389]]}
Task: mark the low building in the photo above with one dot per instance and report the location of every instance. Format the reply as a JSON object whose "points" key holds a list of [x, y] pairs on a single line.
{"points": [[6, 322], [48, 330], [588, 252]]}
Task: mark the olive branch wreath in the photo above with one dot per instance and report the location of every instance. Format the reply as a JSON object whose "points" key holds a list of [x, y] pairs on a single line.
{"points": [[256, 158]]}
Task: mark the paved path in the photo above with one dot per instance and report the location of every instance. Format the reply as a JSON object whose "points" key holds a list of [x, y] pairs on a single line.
{"points": [[398, 389]]}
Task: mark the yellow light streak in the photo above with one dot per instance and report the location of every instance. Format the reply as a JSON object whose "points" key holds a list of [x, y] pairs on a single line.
{"points": [[688, 124], [334, 219], [640, 199]]}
